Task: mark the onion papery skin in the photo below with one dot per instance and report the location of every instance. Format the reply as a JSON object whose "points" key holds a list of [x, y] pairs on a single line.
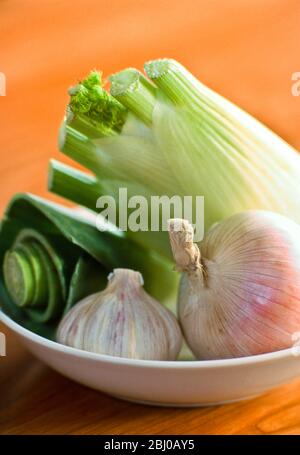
{"points": [[246, 300]]}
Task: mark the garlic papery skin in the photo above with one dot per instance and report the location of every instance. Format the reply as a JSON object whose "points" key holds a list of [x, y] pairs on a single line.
{"points": [[123, 321], [241, 295]]}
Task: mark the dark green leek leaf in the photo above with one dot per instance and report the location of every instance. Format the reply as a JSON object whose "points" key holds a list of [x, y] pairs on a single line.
{"points": [[51, 257]]}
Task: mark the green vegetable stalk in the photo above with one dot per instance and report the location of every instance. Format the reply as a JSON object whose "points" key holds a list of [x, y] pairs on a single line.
{"points": [[51, 257], [168, 134]]}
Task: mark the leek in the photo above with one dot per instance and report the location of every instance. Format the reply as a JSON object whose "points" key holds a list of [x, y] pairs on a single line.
{"points": [[168, 134], [51, 257]]}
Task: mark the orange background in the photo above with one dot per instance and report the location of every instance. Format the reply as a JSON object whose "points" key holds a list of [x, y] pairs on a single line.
{"points": [[245, 49]]}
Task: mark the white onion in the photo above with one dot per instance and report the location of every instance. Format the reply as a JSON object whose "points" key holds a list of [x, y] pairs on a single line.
{"points": [[241, 295]]}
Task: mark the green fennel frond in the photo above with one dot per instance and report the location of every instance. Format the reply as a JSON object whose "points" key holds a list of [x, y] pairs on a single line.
{"points": [[89, 100]]}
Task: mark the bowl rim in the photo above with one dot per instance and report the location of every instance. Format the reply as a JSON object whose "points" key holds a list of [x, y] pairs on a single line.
{"points": [[177, 364]]}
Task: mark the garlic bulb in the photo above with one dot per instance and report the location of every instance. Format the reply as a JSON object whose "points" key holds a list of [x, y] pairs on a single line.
{"points": [[241, 295], [123, 320]]}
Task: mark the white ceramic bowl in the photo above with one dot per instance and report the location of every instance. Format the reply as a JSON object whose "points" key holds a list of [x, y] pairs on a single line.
{"points": [[190, 383]]}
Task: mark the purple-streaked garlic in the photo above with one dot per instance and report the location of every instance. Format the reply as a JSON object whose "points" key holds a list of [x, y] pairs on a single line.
{"points": [[240, 288], [123, 321]]}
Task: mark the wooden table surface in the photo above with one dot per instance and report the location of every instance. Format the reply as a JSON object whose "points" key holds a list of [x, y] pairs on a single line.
{"points": [[247, 50]]}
